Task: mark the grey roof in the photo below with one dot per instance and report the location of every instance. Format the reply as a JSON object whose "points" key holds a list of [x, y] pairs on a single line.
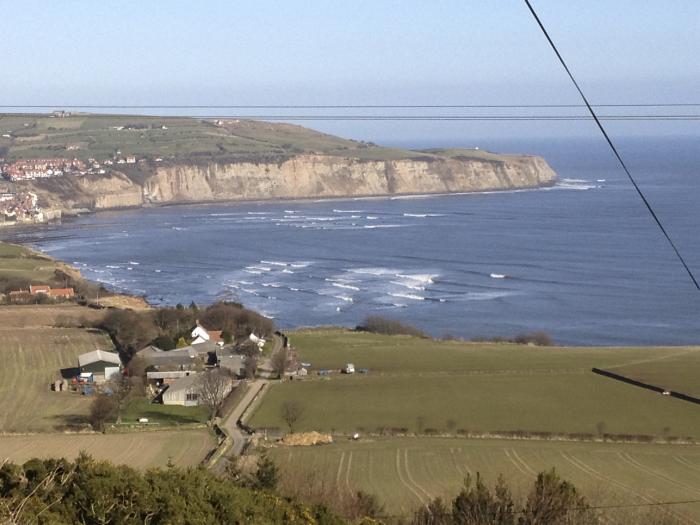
{"points": [[169, 374], [232, 362], [98, 355], [184, 383], [179, 356]]}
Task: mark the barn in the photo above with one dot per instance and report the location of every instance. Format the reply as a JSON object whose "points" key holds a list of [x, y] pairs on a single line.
{"points": [[101, 364]]}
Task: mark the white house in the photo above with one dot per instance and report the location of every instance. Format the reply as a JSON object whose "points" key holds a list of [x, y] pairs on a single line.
{"points": [[199, 335], [259, 341], [184, 391]]}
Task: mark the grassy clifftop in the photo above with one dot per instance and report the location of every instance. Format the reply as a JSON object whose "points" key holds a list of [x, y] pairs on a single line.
{"points": [[84, 136]]}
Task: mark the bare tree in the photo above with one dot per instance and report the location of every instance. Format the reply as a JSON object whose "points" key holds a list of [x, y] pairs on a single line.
{"points": [[250, 364], [279, 361], [214, 387], [291, 412], [102, 408]]}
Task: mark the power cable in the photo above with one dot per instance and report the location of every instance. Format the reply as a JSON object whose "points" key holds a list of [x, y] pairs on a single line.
{"points": [[343, 106], [612, 146]]}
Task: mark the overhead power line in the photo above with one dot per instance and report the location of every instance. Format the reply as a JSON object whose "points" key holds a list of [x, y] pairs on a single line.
{"points": [[342, 106], [458, 118], [612, 146]]}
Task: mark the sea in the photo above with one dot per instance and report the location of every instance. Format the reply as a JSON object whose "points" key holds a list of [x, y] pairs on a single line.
{"points": [[582, 261]]}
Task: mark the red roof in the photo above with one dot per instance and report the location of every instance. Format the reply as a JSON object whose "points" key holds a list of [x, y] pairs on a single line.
{"points": [[61, 292], [39, 288]]}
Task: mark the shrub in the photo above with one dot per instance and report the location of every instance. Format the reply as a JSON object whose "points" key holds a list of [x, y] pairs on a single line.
{"points": [[381, 325], [537, 338]]}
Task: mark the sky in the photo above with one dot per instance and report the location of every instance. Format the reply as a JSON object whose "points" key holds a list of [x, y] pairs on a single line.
{"points": [[127, 52]]}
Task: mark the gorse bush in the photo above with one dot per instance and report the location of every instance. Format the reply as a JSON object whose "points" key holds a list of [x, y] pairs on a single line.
{"points": [[381, 325], [96, 492]]}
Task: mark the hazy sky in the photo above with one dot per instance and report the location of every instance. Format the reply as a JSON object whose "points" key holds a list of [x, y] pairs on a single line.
{"points": [[355, 52]]}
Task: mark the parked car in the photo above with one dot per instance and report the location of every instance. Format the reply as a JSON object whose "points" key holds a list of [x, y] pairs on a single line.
{"points": [[349, 369]]}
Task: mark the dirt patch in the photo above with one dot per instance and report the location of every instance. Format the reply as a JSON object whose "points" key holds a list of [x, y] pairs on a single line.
{"points": [[307, 439], [125, 301]]}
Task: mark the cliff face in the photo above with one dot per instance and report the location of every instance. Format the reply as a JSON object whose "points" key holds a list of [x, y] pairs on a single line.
{"points": [[303, 176], [328, 176]]}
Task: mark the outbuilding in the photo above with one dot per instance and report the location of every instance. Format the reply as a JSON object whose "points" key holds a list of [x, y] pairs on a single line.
{"points": [[101, 364]]}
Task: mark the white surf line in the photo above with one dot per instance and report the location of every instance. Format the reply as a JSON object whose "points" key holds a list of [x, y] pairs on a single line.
{"points": [[515, 463], [648, 470], [410, 477], [522, 462], [347, 470], [340, 469], [404, 482], [592, 472]]}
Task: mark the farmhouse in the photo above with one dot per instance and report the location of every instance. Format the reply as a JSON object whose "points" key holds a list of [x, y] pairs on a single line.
{"points": [[201, 335], [101, 364], [63, 293], [184, 391]]}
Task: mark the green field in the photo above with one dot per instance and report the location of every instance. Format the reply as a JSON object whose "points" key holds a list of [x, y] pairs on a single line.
{"points": [[31, 360], [677, 372], [164, 415], [405, 473], [423, 386], [93, 135], [21, 263]]}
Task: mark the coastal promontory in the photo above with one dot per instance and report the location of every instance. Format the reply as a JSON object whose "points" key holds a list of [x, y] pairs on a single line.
{"points": [[81, 162]]}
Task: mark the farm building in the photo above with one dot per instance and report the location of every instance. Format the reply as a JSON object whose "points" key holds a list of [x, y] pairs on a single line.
{"points": [[183, 391], [184, 358], [166, 378], [233, 362], [101, 364]]}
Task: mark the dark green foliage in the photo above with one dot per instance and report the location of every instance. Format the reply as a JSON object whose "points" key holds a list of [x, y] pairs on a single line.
{"points": [[266, 475], [381, 325], [552, 501], [94, 492], [556, 501], [164, 342]]}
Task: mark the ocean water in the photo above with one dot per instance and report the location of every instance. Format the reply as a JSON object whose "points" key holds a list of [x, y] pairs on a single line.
{"points": [[582, 260]]}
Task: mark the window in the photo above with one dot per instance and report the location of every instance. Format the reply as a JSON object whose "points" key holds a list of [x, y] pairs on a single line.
{"points": [[191, 397]]}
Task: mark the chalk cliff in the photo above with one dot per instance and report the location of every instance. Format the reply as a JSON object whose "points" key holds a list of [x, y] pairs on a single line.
{"points": [[300, 176]]}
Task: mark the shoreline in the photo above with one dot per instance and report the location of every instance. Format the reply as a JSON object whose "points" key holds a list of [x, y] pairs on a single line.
{"points": [[81, 212]]}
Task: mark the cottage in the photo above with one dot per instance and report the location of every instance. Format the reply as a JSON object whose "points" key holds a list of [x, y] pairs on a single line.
{"points": [[184, 391], [101, 364], [200, 335]]}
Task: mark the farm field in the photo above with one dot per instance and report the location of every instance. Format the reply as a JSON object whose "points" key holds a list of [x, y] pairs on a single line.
{"points": [[21, 263], [405, 473], [64, 315], [136, 449], [676, 372], [424, 386], [32, 358]]}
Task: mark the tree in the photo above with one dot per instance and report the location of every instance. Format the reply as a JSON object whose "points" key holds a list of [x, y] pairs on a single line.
{"points": [[553, 500], [291, 412], [227, 337], [214, 386], [121, 386], [181, 343], [250, 365], [279, 361], [102, 408], [266, 474], [164, 342]]}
